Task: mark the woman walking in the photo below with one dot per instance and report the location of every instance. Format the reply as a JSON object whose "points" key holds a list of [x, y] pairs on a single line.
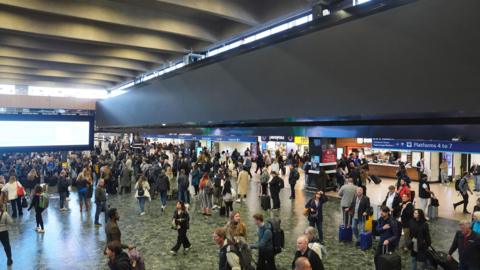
{"points": [[227, 196], [40, 202], [142, 193], [419, 239], [181, 223], [14, 190], [206, 191], [82, 188], [172, 192], [196, 175], [5, 221], [315, 212]]}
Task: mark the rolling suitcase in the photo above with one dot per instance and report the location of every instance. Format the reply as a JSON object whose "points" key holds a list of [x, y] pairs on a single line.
{"points": [[265, 202], [377, 180], [222, 211], [389, 261], [432, 212], [345, 231], [365, 237], [439, 258]]}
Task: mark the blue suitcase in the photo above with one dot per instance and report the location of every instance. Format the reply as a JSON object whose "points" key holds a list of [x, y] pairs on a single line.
{"points": [[345, 232], [365, 240]]}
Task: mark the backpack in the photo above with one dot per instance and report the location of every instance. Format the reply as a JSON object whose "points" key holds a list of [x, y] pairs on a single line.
{"points": [[295, 175], [140, 191], [43, 201], [457, 184], [244, 253], [278, 236], [281, 184], [209, 187], [136, 259]]}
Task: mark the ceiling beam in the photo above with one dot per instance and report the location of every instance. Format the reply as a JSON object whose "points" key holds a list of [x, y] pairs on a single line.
{"points": [[72, 83], [234, 10], [30, 42], [24, 77], [61, 74], [38, 64], [128, 15], [89, 32], [71, 58]]}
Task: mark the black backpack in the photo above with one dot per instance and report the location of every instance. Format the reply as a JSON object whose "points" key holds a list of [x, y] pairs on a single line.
{"points": [[457, 184], [278, 236], [140, 191]]}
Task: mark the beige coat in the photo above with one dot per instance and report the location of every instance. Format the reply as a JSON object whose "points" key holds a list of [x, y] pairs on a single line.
{"points": [[242, 182]]}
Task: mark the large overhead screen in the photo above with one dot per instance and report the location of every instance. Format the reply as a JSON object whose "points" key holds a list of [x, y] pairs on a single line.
{"points": [[45, 133]]}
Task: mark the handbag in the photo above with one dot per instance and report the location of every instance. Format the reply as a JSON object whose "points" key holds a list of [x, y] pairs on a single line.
{"points": [[20, 191], [24, 202]]}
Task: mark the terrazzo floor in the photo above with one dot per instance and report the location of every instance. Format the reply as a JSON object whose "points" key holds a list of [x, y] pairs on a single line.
{"points": [[72, 241]]}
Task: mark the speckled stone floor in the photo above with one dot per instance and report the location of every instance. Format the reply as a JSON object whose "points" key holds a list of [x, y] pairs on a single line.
{"points": [[72, 242]]}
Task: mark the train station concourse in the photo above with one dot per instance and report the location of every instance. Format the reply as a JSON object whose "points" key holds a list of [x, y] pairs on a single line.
{"points": [[210, 134]]}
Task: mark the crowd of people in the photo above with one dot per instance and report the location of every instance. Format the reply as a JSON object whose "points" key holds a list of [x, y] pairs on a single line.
{"points": [[220, 180]]}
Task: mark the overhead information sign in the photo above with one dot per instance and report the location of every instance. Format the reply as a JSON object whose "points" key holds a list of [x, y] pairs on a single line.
{"points": [[206, 138], [426, 146]]}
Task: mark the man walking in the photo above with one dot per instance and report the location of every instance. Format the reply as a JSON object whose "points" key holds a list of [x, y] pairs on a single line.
{"points": [[100, 202], [266, 254], [463, 188], [228, 260], [292, 180], [359, 208]]}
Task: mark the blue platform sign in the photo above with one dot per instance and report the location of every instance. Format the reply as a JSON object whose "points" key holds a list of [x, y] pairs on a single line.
{"points": [[426, 146]]}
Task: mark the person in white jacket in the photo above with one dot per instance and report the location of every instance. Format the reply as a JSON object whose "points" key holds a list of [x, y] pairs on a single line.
{"points": [[142, 193], [15, 200], [5, 221]]}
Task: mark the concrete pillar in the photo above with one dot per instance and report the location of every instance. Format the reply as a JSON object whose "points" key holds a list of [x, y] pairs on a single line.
{"points": [[434, 166], [457, 165]]}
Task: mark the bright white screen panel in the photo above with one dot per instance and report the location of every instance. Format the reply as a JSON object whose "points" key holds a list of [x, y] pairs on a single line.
{"points": [[44, 133]]}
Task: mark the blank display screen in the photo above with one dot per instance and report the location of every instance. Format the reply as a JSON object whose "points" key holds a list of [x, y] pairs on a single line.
{"points": [[44, 133]]}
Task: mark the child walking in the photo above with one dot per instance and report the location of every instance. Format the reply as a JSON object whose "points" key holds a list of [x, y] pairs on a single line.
{"points": [[40, 202]]}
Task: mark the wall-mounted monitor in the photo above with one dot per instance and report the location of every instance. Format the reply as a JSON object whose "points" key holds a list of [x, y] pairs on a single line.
{"points": [[20, 133]]}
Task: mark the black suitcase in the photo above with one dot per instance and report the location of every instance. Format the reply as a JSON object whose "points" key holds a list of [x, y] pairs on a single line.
{"points": [[389, 261], [377, 180], [222, 211], [265, 202], [439, 258]]}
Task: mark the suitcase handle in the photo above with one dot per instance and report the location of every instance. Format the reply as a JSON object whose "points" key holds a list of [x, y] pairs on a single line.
{"points": [[385, 249], [348, 218]]}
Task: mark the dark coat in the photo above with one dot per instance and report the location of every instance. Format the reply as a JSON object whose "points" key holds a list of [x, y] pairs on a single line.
{"points": [[275, 185], [396, 205], [317, 214], [312, 257], [362, 208], [467, 252], [113, 233], [421, 232], [407, 215], [120, 262], [163, 183]]}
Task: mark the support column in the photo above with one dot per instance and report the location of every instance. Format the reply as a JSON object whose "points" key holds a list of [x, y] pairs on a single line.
{"points": [[435, 166]]}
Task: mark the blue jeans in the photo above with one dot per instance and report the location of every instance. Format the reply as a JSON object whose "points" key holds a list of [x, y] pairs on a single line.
{"points": [[355, 225], [183, 196], [82, 196], [141, 202], [101, 207], [477, 182], [416, 264], [63, 196], [163, 197]]}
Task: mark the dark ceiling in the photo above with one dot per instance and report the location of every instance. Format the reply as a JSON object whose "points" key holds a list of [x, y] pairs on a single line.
{"points": [[101, 43]]}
